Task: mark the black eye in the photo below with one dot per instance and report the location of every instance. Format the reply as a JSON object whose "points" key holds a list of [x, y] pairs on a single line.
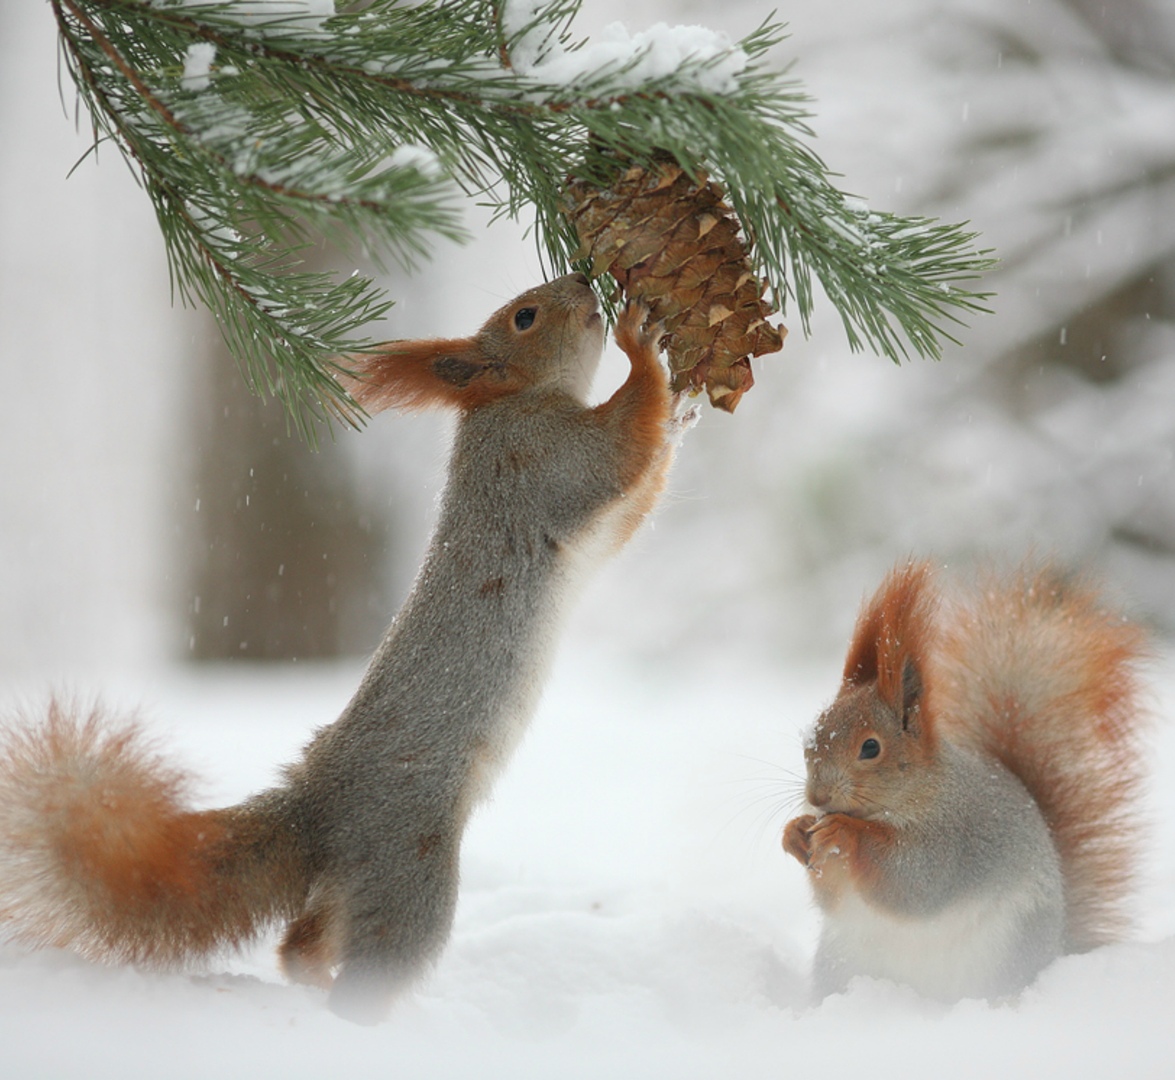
{"points": [[524, 318], [870, 748]]}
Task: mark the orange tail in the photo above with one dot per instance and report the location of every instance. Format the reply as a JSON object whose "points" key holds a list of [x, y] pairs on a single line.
{"points": [[100, 854], [1041, 676]]}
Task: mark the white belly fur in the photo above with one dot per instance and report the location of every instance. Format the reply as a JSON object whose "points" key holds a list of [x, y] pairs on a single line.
{"points": [[964, 951]]}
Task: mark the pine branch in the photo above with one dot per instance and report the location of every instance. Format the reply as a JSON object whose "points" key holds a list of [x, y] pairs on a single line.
{"points": [[256, 128]]}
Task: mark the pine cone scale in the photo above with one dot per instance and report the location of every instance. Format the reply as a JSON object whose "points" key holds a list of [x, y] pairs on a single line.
{"points": [[671, 242]]}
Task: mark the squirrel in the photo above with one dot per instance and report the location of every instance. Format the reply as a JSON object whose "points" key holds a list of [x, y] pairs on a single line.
{"points": [[356, 848], [974, 785]]}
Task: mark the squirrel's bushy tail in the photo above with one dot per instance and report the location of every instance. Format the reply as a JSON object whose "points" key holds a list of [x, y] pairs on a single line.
{"points": [[1045, 679], [100, 854]]}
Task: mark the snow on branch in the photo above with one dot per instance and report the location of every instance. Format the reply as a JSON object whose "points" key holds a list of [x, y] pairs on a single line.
{"points": [[257, 125]]}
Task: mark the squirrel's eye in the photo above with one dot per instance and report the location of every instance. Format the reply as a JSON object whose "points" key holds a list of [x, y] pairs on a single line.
{"points": [[870, 748], [524, 318]]}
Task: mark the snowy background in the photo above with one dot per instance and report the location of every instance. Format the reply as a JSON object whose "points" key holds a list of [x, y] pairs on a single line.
{"points": [[625, 912], [626, 909]]}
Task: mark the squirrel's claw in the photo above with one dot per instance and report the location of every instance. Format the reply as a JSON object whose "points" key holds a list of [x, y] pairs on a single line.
{"points": [[633, 329], [831, 837], [797, 840], [686, 413]]}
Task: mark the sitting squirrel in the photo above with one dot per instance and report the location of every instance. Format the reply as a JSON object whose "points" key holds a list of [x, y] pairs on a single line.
{"points": [[357, 848], [974, 786]]}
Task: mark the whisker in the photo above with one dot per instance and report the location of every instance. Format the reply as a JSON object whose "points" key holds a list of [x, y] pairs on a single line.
{"points": [[766, 804]]}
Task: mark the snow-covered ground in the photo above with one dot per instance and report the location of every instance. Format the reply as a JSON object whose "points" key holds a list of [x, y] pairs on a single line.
{"points": [[625, 912]]}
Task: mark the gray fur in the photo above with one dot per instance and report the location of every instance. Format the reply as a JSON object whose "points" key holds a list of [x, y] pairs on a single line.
{"points": [[385, 792], [977, 843], [359, 847]]}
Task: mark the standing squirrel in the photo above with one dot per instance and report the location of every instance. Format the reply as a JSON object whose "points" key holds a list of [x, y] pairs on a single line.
{"points": [[356, 849], [974, 786]]}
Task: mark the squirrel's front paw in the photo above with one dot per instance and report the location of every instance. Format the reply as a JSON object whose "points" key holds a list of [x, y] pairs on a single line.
{"points": [[832, 840], [796, 837], [635, 331], [685, 415]]}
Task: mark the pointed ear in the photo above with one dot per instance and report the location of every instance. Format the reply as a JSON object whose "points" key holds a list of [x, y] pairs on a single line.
{"points": [[911, 694], [451, 372], [891, 642]]}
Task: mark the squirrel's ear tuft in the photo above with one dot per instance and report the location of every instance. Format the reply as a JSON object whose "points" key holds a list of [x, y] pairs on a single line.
{"points": [[424, 374], [892, 639]]}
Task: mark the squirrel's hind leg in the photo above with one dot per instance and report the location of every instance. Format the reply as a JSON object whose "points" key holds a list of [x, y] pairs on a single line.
{"points": [[311, 945], [396, 920]]}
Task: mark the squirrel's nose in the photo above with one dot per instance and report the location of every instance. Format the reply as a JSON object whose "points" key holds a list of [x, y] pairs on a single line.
{"points": [[818, 796]]}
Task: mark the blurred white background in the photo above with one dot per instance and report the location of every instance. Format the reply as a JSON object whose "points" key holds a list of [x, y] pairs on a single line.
{"points": [[151, 511]]}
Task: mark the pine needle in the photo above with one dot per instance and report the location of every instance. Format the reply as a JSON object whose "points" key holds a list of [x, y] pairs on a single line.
{"points": [[255, 131]]}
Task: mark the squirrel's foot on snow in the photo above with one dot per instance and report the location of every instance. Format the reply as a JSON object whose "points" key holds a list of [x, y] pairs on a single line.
{"points": [[365, 1000]]}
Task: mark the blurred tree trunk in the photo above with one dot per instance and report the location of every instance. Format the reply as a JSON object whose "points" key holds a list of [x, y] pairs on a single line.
{"points": [[284, 558]]}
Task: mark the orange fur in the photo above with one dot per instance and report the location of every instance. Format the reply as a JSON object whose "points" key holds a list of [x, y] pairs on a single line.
{"points": [[846, 851], [448, 372], [1010, 836], [1036, 673], [641, 409], [100, 852], [357, 849], [795, 837], [896, 625], [309, 949]]}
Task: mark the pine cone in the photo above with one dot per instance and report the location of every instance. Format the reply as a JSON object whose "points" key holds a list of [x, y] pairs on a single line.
{"points": [[670, 241]]}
